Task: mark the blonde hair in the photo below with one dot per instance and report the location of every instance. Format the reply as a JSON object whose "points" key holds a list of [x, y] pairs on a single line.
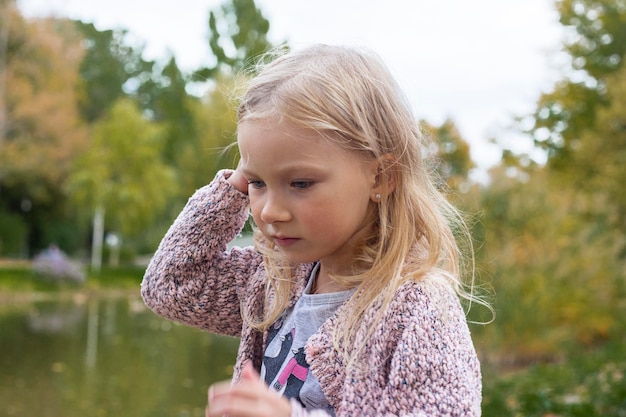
{"points": [[349, 96]]}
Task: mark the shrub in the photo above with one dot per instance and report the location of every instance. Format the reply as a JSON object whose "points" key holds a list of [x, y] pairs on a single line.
{"points": [[52, 264]]}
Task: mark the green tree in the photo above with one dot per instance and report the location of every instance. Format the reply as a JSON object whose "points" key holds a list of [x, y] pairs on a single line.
{"points": [[42, 131], [121, 177], [580, 122], [110, 69], [165, 99], [215, 119], [556, 232], [552, 258], [600, 157], [453, 154], [237, 33], [596, 44], [7, 9]]}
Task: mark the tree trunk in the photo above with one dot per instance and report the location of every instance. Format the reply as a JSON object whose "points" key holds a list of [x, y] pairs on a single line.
{"points": [[98, 238]]}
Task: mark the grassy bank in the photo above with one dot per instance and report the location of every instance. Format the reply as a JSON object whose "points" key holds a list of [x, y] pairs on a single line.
{"points": [[18, 281]]}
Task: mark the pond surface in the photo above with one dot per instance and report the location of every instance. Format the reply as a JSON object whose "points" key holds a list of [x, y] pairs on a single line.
{"points": [[97, 357]]}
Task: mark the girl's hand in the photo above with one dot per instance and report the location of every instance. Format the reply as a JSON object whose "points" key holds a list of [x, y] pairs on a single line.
{"points": [[238, 180], [248, 398]]}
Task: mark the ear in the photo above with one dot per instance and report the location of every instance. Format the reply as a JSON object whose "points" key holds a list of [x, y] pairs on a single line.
{"points": [[383, 178]]}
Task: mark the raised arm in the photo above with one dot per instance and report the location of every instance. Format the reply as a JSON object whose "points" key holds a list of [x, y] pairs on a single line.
{"points": [[193, 278]]}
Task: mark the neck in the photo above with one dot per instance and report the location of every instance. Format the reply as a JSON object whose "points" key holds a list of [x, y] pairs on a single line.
{"points": [[323, 283]]}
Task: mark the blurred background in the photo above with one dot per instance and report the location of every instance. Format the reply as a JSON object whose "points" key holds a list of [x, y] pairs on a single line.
{"points": [[111, 116]]}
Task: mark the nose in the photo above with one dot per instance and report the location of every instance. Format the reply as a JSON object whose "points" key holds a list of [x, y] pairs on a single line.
{"points": [[274, 209]]}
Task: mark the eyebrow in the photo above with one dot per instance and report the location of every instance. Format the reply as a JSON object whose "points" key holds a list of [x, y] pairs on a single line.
{"points": [[290, 168]]}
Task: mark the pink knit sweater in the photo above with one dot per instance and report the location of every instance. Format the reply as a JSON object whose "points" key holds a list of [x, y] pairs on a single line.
{"points": [[421, 360]]}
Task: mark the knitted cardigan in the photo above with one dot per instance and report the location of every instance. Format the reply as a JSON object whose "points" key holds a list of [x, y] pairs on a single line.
{"points": [[420, 359]]}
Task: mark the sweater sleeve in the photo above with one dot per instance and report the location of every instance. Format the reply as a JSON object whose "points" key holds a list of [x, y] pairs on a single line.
{"points": [[193, 278]]}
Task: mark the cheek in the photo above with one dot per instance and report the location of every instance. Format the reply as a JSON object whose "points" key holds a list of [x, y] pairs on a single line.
{"points": [[331, 217], [255, 209]]}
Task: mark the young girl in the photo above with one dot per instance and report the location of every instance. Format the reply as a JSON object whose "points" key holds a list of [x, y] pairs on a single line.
{"points": [[348, 303]]}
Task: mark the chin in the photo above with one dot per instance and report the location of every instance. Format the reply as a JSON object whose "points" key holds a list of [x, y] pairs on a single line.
{"points": [[298, 259]]}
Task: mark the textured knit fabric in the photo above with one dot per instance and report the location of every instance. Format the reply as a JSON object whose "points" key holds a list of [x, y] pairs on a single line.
{"points": [[420, 359]]}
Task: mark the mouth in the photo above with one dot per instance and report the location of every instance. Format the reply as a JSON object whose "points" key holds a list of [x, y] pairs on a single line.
{"points": [[284, 241]]}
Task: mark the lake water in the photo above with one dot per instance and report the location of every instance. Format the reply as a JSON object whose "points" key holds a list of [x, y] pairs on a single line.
{"points": [[97, 357]]}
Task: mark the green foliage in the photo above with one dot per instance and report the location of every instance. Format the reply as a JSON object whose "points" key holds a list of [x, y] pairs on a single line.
{"points": [[13, 235], [554, 244], [600, 27], [122, 170], [553, 259], [216, 126], [237, 33], [109, 65], [62, 80], [561, 116], [66, 233], [590, 384], [596, 45], [453, 154], [165, 100], [597, 166], [40, 128]]}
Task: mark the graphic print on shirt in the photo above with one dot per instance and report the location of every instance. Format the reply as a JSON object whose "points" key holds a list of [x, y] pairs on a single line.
{"points": [[274, 329], [293, 376], [273, 364], [287, 371]]}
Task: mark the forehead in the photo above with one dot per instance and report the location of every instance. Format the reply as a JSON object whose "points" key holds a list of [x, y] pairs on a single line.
{"points": [[258, 135], [275, 126], [273, 143]]}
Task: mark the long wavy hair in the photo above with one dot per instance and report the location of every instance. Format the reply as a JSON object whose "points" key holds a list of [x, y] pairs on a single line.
{"points": [[348, 96]]}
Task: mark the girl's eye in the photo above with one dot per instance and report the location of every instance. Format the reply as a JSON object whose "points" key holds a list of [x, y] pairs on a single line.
{"points": [[256, 184], [301, 185]]}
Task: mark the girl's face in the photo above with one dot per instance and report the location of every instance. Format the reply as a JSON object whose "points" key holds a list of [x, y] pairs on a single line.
{"points": [[312, 198]]}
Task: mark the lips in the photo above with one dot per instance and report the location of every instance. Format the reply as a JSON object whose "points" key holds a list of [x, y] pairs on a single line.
{"points": [[285, 241]]}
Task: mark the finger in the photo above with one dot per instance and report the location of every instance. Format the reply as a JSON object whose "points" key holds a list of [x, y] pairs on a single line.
{"points": [[250, 397], [239, 181], [248, 373], [246, 400], [237, 401], [218, 389]]}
